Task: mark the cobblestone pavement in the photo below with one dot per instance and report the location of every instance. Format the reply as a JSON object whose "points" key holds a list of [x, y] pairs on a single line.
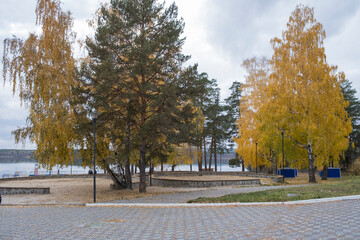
{"points": [[186, 196], [331, 220]]}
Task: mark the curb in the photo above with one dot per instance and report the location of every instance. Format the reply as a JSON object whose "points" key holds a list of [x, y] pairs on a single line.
{"points": [[43, 205], [163, 205]]}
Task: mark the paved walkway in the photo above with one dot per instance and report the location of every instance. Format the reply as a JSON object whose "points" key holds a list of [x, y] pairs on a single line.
{"points": [[186, 196], [329, 220], [332, 220]]}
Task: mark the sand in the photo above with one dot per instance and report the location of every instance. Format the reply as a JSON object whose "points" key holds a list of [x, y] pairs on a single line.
{"points": [[78, 191]]}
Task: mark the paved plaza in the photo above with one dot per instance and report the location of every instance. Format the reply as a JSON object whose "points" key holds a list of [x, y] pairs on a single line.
{"points": [[328, 220], [331, 220]]}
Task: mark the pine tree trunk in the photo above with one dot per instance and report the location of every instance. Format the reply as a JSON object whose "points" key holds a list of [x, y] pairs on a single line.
{"points": [[162, 166], [325, 172], [142, 165], [211, 152], [200, 158], [205, 162], [150, 173], [127, 160], [132, 169], [312, 178], [215, 157]]}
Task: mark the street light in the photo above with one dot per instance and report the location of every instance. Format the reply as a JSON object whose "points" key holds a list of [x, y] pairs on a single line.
{"points": [[94, 116], [256, 154], [283, 157]]}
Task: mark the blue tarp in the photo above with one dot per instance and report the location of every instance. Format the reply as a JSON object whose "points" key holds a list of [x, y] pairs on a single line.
{"points": [[289, 172], [332, 173]]}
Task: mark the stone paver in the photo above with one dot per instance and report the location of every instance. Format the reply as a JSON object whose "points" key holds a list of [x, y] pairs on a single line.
{"points": [[186, 196], [332, 220]]}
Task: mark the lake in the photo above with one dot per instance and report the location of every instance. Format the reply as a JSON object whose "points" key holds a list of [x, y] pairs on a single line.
{"points": [[26, 169]]}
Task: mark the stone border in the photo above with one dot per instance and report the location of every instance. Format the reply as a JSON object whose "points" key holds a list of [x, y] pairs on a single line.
{"points": [[23, 190], [275, 178], [165, 182], [202, 183]]}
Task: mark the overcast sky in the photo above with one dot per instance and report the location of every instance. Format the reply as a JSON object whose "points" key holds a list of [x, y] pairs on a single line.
{"points": [[220, 34]]}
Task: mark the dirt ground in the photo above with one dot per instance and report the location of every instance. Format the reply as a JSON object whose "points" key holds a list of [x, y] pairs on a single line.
{"points": [[78, 191]]}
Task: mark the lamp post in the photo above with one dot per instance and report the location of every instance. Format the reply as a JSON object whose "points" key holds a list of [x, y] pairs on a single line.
{"points": [[256, 154], [283, 157], [94, 116]]}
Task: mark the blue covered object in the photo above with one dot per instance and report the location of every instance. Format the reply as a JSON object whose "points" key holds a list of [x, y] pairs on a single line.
{"points": [[289, 172], [332, 173]]}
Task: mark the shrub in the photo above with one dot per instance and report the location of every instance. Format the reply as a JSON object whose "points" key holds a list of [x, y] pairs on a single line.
{"points": [[234, 162], [355, 168]]}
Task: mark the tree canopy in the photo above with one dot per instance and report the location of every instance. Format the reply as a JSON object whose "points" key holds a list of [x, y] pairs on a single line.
{"points": [[353, 110], [300, 97], [136, 61], [41, 70]]}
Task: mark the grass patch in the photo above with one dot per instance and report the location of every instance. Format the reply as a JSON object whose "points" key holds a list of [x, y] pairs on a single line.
{"points": [[332, 188]]}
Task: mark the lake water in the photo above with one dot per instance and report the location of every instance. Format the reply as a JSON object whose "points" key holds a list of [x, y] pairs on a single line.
{"points": [[26, 169], [220, 168]]}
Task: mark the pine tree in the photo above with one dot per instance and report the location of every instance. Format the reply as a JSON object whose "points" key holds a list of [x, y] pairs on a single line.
{"points": [[353, 110], [137, 48], [213, 124], [232, 109]]}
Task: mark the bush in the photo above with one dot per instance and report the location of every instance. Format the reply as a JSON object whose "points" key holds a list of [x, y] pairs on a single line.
{"points": [[355, 168], [235, 162]]}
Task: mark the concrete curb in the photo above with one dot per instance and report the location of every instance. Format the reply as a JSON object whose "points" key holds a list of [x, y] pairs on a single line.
{"points": [[43, 205], [163, 205]]}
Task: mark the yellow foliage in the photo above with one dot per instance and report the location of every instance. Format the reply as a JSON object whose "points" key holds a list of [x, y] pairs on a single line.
{"points": [[306, 99], [42, 71], [183, 154], [297, 93], [248, 123]]}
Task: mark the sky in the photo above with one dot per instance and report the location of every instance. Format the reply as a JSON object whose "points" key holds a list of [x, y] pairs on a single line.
{"points": [[220, 35]]}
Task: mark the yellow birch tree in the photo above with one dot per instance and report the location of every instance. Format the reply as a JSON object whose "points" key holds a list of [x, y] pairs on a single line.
{"points": [[304, 96], [253, 91], [41, 70]]}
